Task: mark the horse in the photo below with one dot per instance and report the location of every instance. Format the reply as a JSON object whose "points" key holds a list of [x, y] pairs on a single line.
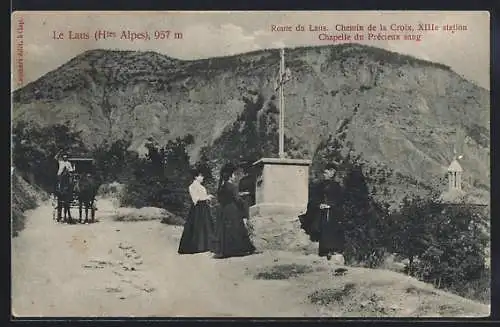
{"points": [[64, 193], [86, 191]]}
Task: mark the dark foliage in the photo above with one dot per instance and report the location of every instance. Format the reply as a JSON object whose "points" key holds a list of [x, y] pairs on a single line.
{"points": [[444, 245], [362, 219], [34, 148], [162, 178], [252, 136]]}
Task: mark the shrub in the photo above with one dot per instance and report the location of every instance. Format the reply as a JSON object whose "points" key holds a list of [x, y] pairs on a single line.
{"points": [[449, 242], [162, 178], [284, 271], [331, 295], [456, 253]]}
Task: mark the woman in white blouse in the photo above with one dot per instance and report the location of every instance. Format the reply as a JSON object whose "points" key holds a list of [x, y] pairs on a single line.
{"points": [[198, 231]]}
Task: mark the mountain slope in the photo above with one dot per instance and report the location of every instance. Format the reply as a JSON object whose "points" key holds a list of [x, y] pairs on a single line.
{"points": [[398, 112]]}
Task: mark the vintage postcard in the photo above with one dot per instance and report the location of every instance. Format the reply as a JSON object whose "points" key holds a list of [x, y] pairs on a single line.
{"points": [[251, 164]]}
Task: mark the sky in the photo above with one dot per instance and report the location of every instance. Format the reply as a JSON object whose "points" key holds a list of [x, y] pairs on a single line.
{"points": [[211, 34]]}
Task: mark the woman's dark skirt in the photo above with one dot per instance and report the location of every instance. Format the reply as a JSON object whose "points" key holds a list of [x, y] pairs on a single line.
{"points": [[198, 233], [232, 238]]}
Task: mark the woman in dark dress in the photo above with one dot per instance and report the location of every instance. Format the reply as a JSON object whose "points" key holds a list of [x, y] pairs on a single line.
{"points": [[198, 233], [231, 232]]}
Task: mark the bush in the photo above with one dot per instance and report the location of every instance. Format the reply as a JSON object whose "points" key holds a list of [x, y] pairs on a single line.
{"points": [[327, 296], [363, 221], [162, 178], [284, 271], [456, 254], [114, 161], [114, 190], [445, 245]]}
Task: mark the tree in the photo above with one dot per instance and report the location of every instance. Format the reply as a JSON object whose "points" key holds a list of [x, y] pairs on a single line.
{"points": [[252, 136], [363, 221], [162, 178], [35, 146], [411, 229], [113, 161], [456, 253], [206, 166]]}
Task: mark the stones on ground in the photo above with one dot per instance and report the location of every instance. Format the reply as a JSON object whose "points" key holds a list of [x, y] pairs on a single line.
{"points": [[92, 266], [374, 305], [113, 290], [122, 268], [128, 268], [124, 246], [146, 288], [117, 273], [96, 264], [100, 262], [340, 271]]}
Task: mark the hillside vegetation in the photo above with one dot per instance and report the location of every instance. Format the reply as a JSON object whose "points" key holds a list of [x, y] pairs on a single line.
{"points": [[23, 197], [403, 116]]}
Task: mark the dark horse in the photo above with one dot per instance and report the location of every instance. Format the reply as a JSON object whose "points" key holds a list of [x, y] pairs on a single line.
{"points": [[86, 191], [64, 193]]}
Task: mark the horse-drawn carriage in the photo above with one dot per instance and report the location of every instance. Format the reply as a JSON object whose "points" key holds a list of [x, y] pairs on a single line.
{"points": [[76, 190]]}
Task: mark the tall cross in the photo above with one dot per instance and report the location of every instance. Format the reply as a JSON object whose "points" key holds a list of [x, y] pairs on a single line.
{"points": [[284, 76]]}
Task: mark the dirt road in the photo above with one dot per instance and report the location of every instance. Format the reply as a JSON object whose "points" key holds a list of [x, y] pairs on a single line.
{"points": [[112, 268]]}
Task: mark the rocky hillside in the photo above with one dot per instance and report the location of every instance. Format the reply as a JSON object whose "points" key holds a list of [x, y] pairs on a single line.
{"points": [[402, 115], [24, 196]]}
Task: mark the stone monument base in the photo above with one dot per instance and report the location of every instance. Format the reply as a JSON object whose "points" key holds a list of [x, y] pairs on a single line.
{"points": [[281, 196], [280, 233]]}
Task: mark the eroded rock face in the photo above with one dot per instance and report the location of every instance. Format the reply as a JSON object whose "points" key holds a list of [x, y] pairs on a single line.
{"points": [[280, 233]]}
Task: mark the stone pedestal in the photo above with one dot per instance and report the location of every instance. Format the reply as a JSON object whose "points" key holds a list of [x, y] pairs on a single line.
{"points": [[281, 196], [280, 233], [282, 187]]}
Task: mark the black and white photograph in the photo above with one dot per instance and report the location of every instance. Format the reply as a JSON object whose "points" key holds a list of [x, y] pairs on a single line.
{"points": [[250, 164]]}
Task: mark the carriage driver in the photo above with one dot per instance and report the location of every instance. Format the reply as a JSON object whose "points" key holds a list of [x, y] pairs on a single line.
{"points": [[64, 164]]}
